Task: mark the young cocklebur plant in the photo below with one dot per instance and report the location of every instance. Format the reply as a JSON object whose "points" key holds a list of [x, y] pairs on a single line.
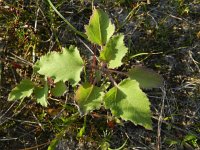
{"points": [[125, 99]]}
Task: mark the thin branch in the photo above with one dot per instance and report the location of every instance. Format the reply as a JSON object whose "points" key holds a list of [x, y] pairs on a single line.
{"points": [[113, 81], [21, 59], [160, 119], [89, 49]]}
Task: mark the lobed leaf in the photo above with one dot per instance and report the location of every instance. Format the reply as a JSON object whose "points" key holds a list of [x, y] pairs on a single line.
{"points": [[65, 66], [88, 97], [147, 78], [22, 90], [129, 102], [100, 28], [114, 51]]}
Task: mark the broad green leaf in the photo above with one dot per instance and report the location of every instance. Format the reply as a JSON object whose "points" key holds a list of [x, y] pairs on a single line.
{"points": [[59, 89], [65, 66], [114, 51], [129, 102], [41, 94], [147, 78], [100, 28], [88, 97], [22, 90]]}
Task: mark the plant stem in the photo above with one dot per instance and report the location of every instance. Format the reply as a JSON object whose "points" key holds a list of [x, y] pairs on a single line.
{"points": [[66, 21], [115, 71], [112, 80]]}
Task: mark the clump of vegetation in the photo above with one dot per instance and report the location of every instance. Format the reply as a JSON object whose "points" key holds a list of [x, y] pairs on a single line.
{"points": [[125, 100]]}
